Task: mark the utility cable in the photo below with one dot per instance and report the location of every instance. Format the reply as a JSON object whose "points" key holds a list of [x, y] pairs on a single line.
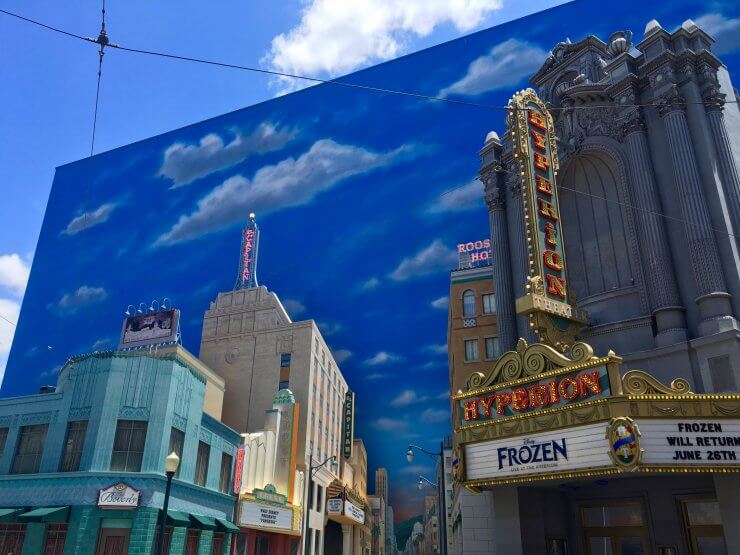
{"points": [[324, 81]]}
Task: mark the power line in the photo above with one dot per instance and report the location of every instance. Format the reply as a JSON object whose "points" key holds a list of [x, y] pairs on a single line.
{"points": [[320, 80], [8, 321]]}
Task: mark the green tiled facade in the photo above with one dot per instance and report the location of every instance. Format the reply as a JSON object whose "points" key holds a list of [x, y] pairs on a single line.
{"points": [[166, 392]]}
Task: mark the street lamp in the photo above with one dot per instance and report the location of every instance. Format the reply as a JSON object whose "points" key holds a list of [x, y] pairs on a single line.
{"points": [[440, 489], [170, 468], [308, 498]]}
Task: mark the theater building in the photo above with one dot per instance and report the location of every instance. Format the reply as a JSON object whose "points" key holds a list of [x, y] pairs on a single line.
{"points": [[611, 424], [82, 463]]}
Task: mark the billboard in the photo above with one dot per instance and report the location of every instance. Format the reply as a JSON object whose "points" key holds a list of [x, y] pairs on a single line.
{"points": [[150, 328]]}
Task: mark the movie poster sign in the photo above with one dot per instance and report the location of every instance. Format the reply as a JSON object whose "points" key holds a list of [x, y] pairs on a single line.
{"points": [[150, 328], [569, 449]]}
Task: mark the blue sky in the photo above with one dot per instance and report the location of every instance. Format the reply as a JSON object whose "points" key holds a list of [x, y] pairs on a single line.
{"points": [[349, 186]]}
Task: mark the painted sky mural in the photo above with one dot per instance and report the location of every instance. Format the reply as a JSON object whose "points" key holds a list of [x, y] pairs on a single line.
{"points": [[361, 198]]}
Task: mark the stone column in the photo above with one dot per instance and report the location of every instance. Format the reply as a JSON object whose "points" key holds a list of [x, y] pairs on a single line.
{"points": [[33, 543], [519, 270], [507, 532], [505, 308], [727, 488], [492, 176], [713, 300], [346, 539], [205, 542], [665, 302], [714, 105]]}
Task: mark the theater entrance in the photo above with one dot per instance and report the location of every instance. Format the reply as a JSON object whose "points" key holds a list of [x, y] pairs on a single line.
{"points": [[615, 528]]}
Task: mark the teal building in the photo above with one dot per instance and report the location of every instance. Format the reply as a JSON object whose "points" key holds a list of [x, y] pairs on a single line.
{"points": [[82, 463]]}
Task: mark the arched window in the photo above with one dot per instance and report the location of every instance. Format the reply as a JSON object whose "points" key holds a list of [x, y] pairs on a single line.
{"points": [[468, 303]]}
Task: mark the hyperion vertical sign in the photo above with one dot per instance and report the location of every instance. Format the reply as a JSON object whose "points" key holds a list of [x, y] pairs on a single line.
{"points": [[548, 301], [247, 277], [348, 424]]}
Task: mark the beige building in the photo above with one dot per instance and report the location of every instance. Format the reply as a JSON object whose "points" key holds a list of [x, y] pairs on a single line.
{"points": [[250, 341], [377, 522], [431, 527], [472, 338]]}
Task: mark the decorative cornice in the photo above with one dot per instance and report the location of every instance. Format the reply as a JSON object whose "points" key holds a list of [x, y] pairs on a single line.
{"points": [[714, 99], [633, 122], [670, 101]]}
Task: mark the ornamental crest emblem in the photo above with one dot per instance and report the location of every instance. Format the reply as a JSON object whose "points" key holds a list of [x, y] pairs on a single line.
{"points": [[457, 464], [624, 442]]}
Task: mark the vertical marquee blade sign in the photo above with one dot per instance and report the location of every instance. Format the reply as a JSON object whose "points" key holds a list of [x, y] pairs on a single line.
{"points": [[348, 424], [548, 301]]}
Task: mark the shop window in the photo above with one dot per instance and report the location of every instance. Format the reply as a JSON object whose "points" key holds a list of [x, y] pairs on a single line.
{"points": [[128, 446], [468, 299], [704, 526], [319, 495], [3, 439], [191, 542], [167, 539], [201, 463], [224, 479], [11, 538], [55, 536], [31, 440], [177, 440], [73, 446], [489, 303], [471, 350], [218, 543], [262, 545]]}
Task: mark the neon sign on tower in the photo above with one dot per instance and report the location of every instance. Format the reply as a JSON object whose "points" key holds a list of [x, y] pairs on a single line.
{"points": [[247, 277]]}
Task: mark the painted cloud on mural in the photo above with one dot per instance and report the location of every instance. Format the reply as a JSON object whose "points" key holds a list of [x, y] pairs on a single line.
{"points": [[184, 163], [86, 220], [291, 182], [505, 65]]}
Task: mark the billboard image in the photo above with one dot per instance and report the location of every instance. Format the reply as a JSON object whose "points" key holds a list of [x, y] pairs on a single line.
{"points": [[149, 328]]}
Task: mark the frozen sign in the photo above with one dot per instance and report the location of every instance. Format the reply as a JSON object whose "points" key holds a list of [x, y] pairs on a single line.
{"points": [[474, 254], [690, 442], [563, 450]]}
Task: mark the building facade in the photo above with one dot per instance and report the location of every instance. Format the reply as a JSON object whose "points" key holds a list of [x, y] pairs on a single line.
{"points": [[377, 513], [443, 471], [82, 464], [251, 342], [598, 455], [430, 544]]}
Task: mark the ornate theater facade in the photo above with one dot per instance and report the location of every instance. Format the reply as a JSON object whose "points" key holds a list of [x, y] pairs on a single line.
{"points": [[612, 422]]}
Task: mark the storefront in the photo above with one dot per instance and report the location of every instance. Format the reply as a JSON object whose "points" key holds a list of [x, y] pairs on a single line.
{"points": [[269, 525], [348, 526]]}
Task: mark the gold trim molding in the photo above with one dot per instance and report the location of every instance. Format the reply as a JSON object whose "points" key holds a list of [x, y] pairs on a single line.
{"points": [[637, 382]]}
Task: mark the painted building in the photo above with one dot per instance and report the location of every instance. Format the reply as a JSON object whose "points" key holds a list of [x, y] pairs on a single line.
{"points": [[82, 463], [443, 471], [581, 450], [415, 541], [472, 337], [271, 488], [377, 513], [251, 342], [430, 545]]}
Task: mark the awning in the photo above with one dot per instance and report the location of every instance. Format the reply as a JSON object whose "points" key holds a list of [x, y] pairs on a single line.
{"points": [[227, 526], [176, 518], [203, 522], [8, 515], [46, 514]]}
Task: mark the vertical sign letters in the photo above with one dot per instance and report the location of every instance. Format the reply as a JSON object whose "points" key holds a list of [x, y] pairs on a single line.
{"points": [[348, 424]]}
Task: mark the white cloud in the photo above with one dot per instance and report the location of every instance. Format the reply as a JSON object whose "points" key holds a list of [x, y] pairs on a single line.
{"points": [[11, 310], [369, 285], [726, 32], [84, 296], [442, 303], [430, 416], [86, 220], [291, 182], [383, 358], [185, 163], [460, 199], [374, 376], [504, 66], [433, 258], [14, 273], [342, 355], [388, 424], [329, 328], [293, 307], [406, 398], [444, 396], [336, 36], [436, 349], [416, 470], [101, 345]]}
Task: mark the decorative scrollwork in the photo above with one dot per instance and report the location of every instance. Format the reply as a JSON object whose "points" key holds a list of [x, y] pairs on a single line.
{"points": [[637, 382], [529, 360]]}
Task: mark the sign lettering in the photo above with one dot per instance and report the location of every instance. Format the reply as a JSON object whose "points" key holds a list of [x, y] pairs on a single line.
{"points": [[348, 434]]}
